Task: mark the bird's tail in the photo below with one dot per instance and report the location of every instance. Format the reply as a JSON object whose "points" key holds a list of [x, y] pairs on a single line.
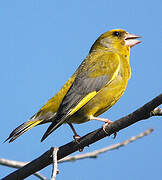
{"points": [[22, 129], [55, 124]]}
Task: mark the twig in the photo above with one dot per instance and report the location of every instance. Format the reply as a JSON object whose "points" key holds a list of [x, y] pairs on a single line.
{"points": [[95, 154], [18, 164], [12, 163], [55, 165], [44, 160]]}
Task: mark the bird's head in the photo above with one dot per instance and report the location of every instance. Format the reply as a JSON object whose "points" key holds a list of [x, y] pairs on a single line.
{"points": [[116, 39]]}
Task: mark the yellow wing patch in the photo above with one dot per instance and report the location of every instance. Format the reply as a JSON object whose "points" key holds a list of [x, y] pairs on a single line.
{"points": [[83, 102], [114, 65]]}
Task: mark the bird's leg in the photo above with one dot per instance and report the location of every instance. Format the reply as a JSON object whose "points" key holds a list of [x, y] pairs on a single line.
{"points": [[107, 122], [76, 136]]}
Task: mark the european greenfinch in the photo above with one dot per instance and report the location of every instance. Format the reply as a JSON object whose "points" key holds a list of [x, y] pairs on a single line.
{"points": [[96, 85]]}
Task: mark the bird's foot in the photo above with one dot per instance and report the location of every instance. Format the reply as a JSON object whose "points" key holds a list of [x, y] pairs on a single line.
{"points": [[76, 138], [106, 124]]}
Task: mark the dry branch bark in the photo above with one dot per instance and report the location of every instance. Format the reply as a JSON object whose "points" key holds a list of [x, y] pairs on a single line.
{"points": [[93, 154], [18, 164], [44, 160]]}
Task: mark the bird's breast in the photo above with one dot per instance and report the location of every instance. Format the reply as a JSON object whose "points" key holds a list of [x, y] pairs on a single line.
{"points": [[104, 100]]}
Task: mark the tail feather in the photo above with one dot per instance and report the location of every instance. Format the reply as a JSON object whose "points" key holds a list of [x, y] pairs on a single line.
{"points": [[22, 129], [55, 124]]}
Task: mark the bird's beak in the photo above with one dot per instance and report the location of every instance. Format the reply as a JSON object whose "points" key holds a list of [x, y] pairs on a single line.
{"points": [[131, 40]]}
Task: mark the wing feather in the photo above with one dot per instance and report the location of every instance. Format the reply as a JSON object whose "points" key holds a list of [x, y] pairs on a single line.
{"points": [[92, 75], [89, 79]]}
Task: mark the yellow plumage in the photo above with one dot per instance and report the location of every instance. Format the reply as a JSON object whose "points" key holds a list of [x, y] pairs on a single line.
{"points": [[97, 84]]}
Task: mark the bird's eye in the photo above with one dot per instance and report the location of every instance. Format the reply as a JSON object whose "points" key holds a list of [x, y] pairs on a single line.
{"points": [[116, 33]]}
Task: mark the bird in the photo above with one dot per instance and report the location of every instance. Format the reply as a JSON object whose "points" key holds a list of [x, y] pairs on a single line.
{"points": [[96, 85]]}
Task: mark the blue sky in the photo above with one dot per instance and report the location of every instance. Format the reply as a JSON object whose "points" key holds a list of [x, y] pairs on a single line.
{"points": [[41, 45]]}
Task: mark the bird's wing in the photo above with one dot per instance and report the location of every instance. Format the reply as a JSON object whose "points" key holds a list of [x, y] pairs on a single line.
{"points": [[91, 78], [93, 74]]}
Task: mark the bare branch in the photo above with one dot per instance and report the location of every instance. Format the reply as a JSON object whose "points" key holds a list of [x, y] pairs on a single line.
{"points": [[55, 165], [18, 164], [12, 163], [95, 154], [44, 160]]}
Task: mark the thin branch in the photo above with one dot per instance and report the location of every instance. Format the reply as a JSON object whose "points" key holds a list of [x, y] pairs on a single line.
{"points": [[12, 163], [95, 153], [55, 165], [44, 160], [18, 164]]}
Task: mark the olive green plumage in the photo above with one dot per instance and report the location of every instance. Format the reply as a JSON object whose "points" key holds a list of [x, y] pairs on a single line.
{"points": [[97, 84]]}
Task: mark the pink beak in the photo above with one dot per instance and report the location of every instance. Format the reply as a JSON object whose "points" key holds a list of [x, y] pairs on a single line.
{"points": [[131, 40]]}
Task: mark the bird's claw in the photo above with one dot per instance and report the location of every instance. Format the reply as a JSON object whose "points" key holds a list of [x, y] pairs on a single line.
{"points": [[76, 138], [106, 124]]}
